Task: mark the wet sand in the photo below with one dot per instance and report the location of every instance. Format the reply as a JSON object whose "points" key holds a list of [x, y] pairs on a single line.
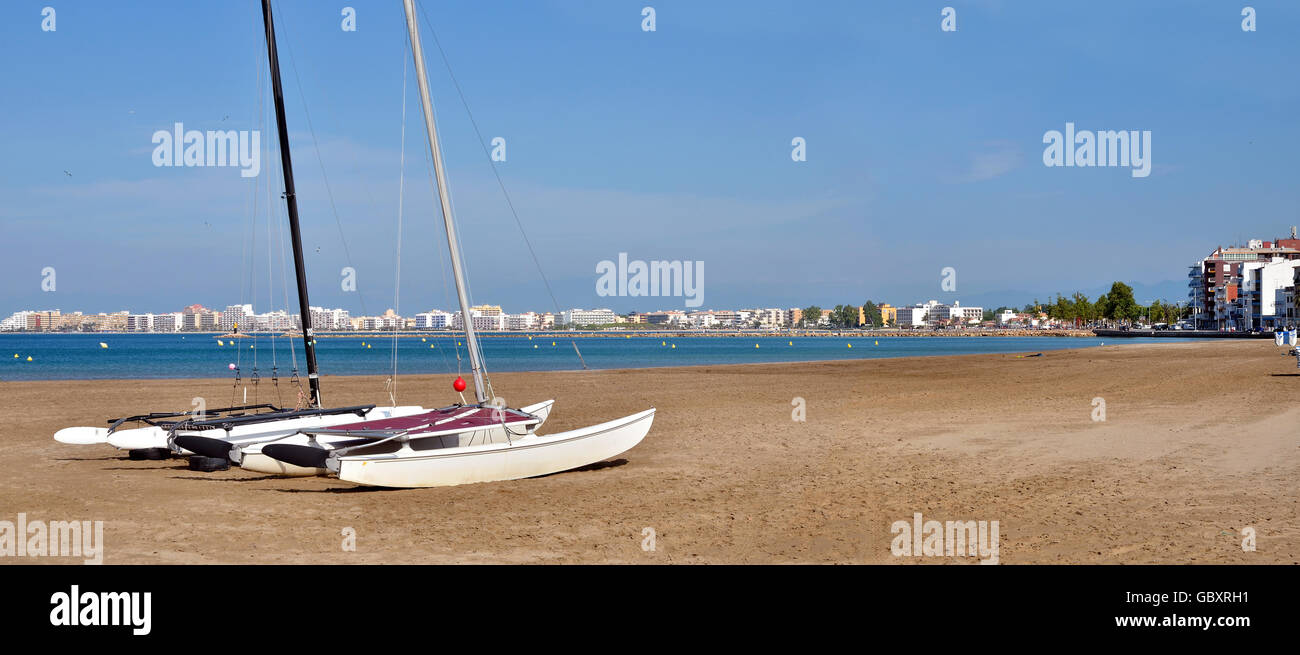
{"points": [[1200, 440]]}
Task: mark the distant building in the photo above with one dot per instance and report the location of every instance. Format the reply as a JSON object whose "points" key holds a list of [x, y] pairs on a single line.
{"points": [[326, 320], [43, 320], [139, 322], [235, 315], [1267, 290], [480, 322], [769, 318], [955, 314], [524, 321], [587, 317], [913, 316], [888, 314], [935, 313], [434, 320], [668, 318], [16, 322], [1214, 282], [167, 322], [701, 319]]}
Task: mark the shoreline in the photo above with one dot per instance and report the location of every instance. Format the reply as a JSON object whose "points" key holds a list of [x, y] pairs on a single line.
{"points": [[346, 376], [726, 475], [619, 333]]}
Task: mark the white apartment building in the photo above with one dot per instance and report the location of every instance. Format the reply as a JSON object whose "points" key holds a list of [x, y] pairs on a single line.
{"points": [[587, 316], [768, 318], [525, 321], [167, 322], [913, 316], [16, 321], [235, 315], [941, 313], [481, 323], [671, 317], [933, 312], [325, 320], [139, 322], [434, 320], [702, 319], [1267, 292]]}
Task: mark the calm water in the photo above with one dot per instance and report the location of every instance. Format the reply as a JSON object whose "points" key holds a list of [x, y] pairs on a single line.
{"points": [[79, 356]]}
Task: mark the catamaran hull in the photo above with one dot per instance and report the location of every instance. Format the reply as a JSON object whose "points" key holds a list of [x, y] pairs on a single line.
{"points": [[138, 438], [156, 437], [524, 457], [82, 435], [251, 458]]}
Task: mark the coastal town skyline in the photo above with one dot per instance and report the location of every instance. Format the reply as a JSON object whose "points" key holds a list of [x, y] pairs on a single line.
{"points": [[1251, 286]]}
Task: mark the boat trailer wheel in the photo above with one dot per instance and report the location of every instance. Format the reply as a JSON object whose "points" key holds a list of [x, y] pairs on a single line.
{"points": [[208, 464], [148, 453]]}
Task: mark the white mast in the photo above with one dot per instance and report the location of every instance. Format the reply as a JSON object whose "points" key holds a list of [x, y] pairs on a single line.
{"points": [[475, 357]]}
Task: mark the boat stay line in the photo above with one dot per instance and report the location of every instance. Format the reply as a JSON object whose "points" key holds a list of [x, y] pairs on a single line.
{"points": [[403, 436], [419, 429], [487, 449]]}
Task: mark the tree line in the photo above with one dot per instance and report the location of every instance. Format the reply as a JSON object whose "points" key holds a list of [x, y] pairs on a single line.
{"points": [[1118, 304]]}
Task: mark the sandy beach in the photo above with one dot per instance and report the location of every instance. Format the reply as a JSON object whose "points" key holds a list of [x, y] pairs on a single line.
{"points": [[1200, 440]]}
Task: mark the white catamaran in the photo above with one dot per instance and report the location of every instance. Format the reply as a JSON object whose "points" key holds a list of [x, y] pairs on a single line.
{"points": [[462, 444], [150, 435]]}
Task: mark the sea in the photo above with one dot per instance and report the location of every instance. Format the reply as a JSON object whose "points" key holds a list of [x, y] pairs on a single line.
{"points": [[198, 355]]}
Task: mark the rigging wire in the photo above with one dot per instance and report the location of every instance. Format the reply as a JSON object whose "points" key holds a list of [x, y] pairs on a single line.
{"points": [[397, 276], [245, 255], [329, 193], [328, 189], [428, 160], [510, 203]]}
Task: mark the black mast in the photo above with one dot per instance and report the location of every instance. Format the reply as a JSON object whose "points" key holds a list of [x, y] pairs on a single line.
{"points": [[299, 270]]}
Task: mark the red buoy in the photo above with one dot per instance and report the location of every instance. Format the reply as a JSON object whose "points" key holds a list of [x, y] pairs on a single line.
{"points": [[459, 384]]}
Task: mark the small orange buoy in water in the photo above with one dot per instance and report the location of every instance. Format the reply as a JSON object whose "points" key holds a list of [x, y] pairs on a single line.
{"points": [[459, 384]]}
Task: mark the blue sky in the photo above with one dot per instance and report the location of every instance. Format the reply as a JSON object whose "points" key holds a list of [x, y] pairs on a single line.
{"points": [[924, 148]]}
